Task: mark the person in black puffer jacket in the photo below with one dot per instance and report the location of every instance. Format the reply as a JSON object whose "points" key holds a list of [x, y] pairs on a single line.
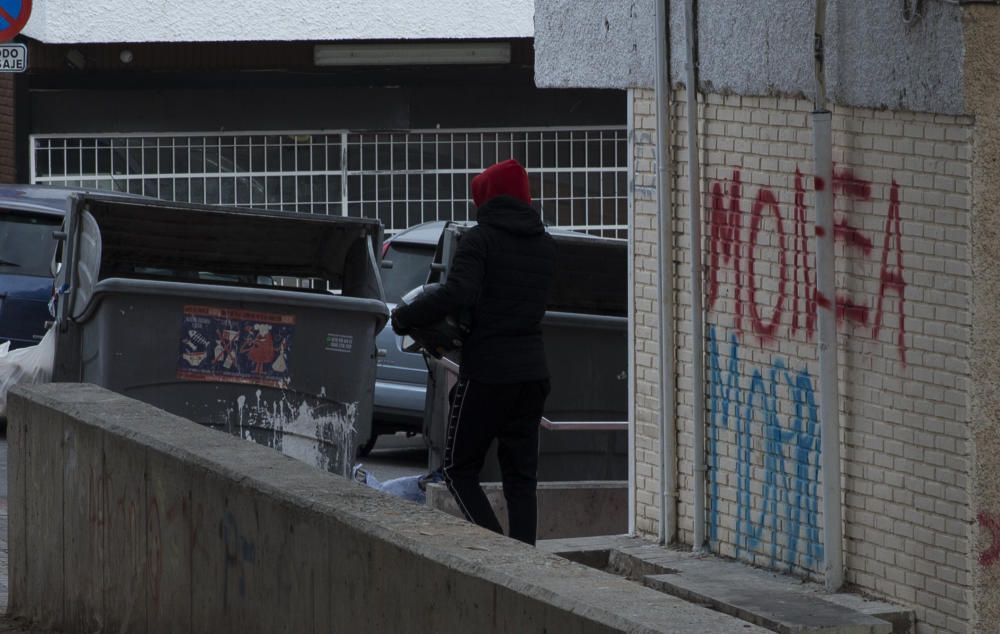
{"points": [[501, 273]]}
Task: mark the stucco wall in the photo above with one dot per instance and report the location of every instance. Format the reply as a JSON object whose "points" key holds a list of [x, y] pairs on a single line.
{"points": [[983, 94], [763, 47], [74, 21], [902, 185], [594, 42]]}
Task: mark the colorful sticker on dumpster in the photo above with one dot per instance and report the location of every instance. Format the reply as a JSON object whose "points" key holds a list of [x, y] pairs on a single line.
{"points": [[235, 346], [339, 343]]}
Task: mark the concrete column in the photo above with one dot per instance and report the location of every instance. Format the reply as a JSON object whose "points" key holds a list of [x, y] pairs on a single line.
{"points": [[982, 96]]}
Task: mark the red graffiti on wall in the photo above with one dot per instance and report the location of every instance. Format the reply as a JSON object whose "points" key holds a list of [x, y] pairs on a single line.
{"points": [[766, 199], [725, 241], [801, 264], [850, 310], [729, 249], [847, 184], [892, 278], [989, 556]]}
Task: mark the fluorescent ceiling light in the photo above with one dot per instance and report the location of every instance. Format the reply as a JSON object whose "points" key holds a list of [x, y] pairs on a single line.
{"points": [[411, 53]]}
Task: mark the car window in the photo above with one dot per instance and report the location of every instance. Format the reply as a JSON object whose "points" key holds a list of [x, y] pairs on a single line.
{"points": [[410, 265], [26, 243]]}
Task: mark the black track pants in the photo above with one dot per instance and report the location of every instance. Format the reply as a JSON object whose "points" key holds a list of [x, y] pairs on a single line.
{"points": [[510, 413]]}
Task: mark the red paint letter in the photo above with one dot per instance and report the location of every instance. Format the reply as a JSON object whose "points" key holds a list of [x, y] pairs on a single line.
{"points": [[892, 278], [842, 230], [808, 296], [765, 198], [725, 238], [845, 182], [850, 310]]}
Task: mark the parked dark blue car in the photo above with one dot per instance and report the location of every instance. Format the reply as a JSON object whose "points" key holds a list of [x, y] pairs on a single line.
{"points": [[28, 216]]}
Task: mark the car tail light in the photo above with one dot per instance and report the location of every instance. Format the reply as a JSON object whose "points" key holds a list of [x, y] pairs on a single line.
{"points": [[385, 247]]}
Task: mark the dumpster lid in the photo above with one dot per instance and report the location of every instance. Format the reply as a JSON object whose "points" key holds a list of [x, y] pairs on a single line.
{"points": [[222, 240], [111, 237]]}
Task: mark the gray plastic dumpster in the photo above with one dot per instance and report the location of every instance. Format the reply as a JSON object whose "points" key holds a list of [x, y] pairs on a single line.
{"points": [[259, 323], [584, 433]]}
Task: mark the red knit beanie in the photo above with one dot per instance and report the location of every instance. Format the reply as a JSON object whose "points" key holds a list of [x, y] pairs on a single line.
{"points": [[506, 178]]}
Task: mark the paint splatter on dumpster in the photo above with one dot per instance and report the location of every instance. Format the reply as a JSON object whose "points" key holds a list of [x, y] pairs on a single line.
{"points": [[318, 432]]}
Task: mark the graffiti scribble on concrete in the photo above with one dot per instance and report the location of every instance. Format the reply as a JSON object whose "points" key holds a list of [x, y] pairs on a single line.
{"points": [[239, 553]]}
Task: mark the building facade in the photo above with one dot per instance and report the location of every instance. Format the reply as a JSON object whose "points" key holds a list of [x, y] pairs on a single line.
{"points": [[914, 138], [369, 109]]}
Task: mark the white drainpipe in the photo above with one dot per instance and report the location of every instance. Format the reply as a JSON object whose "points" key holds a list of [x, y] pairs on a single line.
{"points": [[697, 311], [632, 374], [665, 279], [829, 390]]}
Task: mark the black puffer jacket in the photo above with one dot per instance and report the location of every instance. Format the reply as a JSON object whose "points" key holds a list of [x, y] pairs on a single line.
{"points": [[502, 270]]}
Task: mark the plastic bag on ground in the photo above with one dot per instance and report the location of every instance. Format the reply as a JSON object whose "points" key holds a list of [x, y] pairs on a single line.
{"points": [[31, 365], [412, 488]]}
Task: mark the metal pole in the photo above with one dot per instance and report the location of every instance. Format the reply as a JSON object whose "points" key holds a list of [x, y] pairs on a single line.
{"points": [[632, 375], [665, 279], [697, 311], [826, 301]]}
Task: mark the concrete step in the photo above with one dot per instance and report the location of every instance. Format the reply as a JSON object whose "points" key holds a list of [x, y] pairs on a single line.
{"points": [[780, 603], [565, 509]]}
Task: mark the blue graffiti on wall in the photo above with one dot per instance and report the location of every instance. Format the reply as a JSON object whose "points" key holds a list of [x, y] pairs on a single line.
{"points": [[793, 493]]}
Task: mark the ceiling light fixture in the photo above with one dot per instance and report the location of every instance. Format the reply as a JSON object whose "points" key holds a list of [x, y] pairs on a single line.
{"points": [[410, 54]]}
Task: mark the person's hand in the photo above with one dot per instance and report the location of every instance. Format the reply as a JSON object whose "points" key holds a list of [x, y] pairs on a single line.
{"points": [[397, 326]]}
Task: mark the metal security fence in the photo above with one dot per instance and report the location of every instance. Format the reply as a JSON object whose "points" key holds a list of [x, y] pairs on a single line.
{"points": [[579, 175]]}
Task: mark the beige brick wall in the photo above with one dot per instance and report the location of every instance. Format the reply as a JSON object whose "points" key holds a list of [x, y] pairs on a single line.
{"points": [[8, 167], [902, 188]]}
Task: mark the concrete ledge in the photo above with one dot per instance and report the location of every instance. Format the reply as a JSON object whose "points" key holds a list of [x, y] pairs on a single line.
{"points": [[781, 603], [125, 518], [565, 509]]}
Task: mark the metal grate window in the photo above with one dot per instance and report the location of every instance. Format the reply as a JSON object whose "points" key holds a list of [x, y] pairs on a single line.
{"points": [[579, 176]]}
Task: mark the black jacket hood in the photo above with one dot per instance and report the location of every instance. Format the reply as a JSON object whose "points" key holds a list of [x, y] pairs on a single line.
{"points": [[511, 215]]}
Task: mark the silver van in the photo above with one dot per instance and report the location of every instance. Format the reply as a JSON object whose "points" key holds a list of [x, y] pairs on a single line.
{"points": [[401, 377]]}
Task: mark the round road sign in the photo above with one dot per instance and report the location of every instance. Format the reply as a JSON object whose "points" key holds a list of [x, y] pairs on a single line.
{"points": [[14, 15]]}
